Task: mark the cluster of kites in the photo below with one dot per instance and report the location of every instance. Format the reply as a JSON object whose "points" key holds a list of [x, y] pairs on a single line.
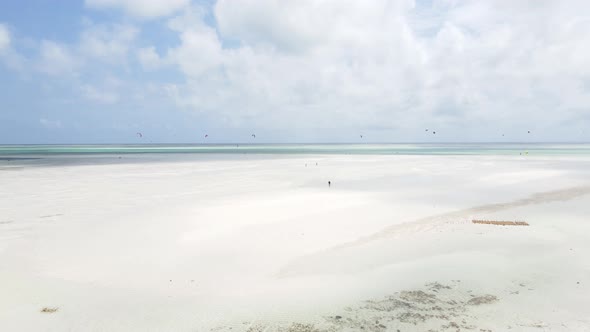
{"points": [[140, 135]]}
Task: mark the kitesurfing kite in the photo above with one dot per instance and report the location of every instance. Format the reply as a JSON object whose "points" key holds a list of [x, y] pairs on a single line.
{"points": [[253, 135], [206, 135], [140, 135], [361, 136]]}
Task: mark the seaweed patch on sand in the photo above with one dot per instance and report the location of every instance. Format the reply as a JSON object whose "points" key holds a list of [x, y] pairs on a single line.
{"points": [[500, 222], [435, 307], [51, 215], [49, 310]]}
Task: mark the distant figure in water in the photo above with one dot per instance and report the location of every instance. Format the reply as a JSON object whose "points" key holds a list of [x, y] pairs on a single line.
{"points": [[329, 184]]}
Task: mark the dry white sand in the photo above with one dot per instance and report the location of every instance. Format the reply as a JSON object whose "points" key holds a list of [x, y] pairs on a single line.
{"points": [[255, 243]]}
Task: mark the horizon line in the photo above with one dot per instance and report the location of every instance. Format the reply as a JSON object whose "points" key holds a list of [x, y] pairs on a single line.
{"points": [[293, 143]]}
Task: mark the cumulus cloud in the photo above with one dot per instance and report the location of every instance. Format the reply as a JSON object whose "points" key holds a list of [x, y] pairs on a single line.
{"points": [[200, 49], [387, 68], [386, 65], [348, 62], [300, 25], [98, 43], [50, 124], [100, 95], [9, 56], [141, 8], [4, 38], [148, 58], [57, 59], [109, 43]]}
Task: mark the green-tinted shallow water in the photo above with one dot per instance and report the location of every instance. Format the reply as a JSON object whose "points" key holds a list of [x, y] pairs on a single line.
{"points": [[379, 149]]}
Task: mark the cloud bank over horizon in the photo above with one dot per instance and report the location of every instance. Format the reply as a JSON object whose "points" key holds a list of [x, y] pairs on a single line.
{"points": [[295, 71]]}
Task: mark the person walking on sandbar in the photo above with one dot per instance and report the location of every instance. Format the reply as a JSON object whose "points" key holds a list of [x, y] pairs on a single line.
{"points": [[329, 184]]}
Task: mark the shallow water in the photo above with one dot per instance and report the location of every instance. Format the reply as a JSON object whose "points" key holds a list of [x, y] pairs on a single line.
{"points": [[7, 151]]}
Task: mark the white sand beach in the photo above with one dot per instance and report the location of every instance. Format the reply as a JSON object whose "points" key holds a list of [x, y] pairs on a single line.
{"points": [[261, 243]]}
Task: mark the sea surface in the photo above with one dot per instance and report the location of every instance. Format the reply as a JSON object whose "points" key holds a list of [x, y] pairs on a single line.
{"points": [[8, 151], [57, 155]]}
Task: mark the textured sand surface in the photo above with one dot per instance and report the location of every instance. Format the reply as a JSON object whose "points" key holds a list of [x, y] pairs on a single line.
{"points": [[255, 243]]}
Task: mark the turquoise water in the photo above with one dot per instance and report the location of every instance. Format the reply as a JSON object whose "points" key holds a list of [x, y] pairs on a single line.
{"points": [[7, 151]]}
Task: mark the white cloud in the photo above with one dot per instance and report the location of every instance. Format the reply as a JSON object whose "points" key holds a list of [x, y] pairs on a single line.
{"points": [[200, 49], [384, 64], [300, 25], [98, 43], [341, 65], [50, 124], [57, 59], [141, 8], [107, 90], [109, 43], [9, 55], [148, 58], [4, 38], [103, 95], [386, 67]]}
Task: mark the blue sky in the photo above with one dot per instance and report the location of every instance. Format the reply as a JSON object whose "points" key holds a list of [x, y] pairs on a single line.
{"points": [[99, 71]]}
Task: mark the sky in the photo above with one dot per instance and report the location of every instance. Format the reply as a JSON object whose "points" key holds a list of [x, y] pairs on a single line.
{"points": [[100, 71]]}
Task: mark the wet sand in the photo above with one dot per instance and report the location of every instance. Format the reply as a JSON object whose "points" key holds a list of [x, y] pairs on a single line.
{"points": [[255, 243]]}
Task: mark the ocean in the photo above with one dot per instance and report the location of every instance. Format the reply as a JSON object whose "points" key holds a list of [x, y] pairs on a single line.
{"points": [[15, 156], [41, 151]]}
